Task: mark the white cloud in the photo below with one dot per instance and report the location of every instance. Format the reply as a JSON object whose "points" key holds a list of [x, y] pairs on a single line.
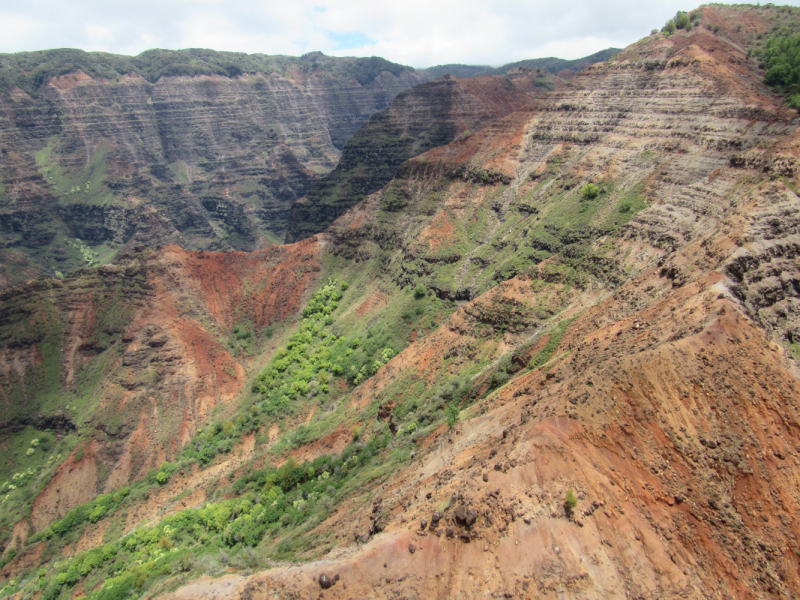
{"points": [[416, 32]]}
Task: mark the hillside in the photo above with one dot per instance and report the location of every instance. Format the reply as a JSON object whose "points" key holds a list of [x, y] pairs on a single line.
{"points": [[555, 358]]}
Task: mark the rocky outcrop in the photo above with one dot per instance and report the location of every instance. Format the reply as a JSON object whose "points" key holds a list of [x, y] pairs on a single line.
{"points": [[667, 129], [207, 161]]}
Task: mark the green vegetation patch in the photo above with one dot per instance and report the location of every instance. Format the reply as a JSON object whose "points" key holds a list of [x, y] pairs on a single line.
{"points": [[780, 57], [273, 510], [554, 340]]}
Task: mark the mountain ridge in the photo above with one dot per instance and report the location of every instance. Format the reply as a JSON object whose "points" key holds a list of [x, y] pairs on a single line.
{"points": [[549, 64]]}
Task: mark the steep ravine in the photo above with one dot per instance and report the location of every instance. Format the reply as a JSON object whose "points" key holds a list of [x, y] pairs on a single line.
{"points": [[424, 117]]}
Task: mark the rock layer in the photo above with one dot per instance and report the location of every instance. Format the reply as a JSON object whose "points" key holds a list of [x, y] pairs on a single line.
{"points": [[622, 366], [149, 343], [653, 450]]}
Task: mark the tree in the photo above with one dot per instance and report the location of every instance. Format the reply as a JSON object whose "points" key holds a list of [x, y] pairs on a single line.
{"points": [[590, 191], [781, 59], [681, 20], [452, 412], [669, 28]]}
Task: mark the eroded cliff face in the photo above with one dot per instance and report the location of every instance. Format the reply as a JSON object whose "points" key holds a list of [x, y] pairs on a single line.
{"points": [[645, 365], [427, 116], [206, 162]]}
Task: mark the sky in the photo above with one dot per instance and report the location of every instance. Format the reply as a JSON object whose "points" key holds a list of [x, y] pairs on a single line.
{"points": [[419, 33]]}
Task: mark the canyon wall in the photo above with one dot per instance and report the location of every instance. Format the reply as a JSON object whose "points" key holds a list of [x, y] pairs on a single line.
{"points": [[90, 162], [593, 302]]}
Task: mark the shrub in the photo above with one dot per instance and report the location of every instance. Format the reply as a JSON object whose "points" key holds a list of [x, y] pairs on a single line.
{"points": [[681, 20], [570, 502], [10, 555], [590, 191], [451, 413], [669, 27], [52, 592], [161, 478], [625, 206], [420, 291]]}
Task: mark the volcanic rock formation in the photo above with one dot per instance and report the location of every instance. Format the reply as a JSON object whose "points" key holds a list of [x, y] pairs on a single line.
{"points": [[424, 117]]}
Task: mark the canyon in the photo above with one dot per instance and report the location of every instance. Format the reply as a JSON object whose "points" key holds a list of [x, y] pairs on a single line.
{"points": [[208, 161], [548, 351], [206, 150]]}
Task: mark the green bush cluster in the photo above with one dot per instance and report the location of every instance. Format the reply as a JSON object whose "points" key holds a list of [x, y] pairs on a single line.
{"points": [[314, 355], [590, 191], [218, 438], [268, 500], [780, 57], [681, 20], [9, 556], [451, 413], [164, 473]]}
